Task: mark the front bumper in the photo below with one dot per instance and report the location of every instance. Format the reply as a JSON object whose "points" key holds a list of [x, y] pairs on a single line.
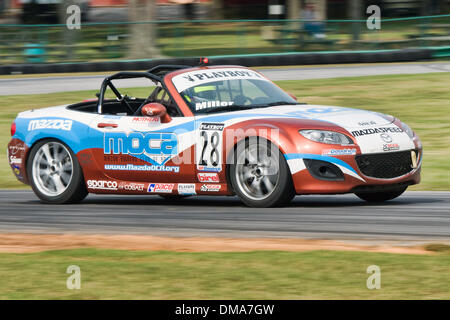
{"points": [[353, 178]]}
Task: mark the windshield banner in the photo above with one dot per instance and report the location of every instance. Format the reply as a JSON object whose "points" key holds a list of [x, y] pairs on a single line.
{"points": [[198, 77]]}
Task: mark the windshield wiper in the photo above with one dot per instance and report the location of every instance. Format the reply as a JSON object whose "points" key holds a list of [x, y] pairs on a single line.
{"points": [[280, 103]]}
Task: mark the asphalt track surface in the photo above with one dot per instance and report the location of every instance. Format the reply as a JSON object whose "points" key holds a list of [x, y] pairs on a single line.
{"points": [[20, 86], [415, 216]]}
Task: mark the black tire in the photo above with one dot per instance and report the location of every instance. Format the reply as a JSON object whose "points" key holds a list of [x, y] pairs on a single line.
{"points": [[380, 196], [283, 190], [74, 192]]}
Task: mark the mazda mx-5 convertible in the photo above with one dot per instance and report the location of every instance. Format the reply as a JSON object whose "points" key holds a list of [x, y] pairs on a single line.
{"points": [[210, 130]]}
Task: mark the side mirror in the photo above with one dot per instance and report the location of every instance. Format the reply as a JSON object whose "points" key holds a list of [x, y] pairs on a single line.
{"points": [[155, 109], [292, 96]]}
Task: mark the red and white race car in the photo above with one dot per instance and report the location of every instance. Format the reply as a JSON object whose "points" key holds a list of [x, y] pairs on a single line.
{"points": [[211, 130]]}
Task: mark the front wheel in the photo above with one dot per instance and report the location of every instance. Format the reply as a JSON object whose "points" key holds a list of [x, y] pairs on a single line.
{"points": [[260, 175], [55, 173], [380, 196]]}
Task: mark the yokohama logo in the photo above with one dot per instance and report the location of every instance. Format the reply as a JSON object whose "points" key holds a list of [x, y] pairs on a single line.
{"points": [[208, 177], [102, 184]]}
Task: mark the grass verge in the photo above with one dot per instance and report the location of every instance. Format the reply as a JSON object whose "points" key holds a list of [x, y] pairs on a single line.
{"points": [[115, 274], [421, 100]]}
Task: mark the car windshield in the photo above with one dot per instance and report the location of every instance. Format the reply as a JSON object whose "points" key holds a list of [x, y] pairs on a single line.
{"points": [[228, 89]]}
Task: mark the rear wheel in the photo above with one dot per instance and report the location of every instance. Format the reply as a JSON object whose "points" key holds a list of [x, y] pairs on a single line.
{"points": [[55, 173], [381, 196], [260, 175]]}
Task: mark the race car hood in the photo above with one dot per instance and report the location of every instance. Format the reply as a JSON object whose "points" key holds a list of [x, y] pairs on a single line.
{"points": [[373, 132]]}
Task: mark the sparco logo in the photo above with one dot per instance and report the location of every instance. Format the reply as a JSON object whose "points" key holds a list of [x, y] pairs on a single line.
{"points": [[102, 184], [364, 132]]}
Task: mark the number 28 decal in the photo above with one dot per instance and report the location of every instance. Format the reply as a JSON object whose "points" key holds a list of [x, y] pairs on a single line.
{"points": [[209, 147]]}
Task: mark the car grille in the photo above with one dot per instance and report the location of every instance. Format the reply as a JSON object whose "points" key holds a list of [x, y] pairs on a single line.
{"points": [[385, 165]]}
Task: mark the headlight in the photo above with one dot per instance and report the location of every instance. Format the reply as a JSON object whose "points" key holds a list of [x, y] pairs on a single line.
{"points": [[408, 130], [329, 137]]}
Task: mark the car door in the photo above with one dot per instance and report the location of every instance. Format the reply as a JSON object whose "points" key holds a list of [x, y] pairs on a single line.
{"points": [[142, 149]]}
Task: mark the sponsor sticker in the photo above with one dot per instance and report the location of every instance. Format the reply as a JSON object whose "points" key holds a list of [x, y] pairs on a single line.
{"points": [[209, 147], [146, 121], [414, 159], [205, 168], [339, 152], [386, 138], [131, 186], [208, 177], [16, 170], [212, 126], [186, 188], [211, 187], [102, 184], [160, 187], [15, 160], [391, 147], [154, 147], [367, 123], [14, 149], [57, 124]]}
